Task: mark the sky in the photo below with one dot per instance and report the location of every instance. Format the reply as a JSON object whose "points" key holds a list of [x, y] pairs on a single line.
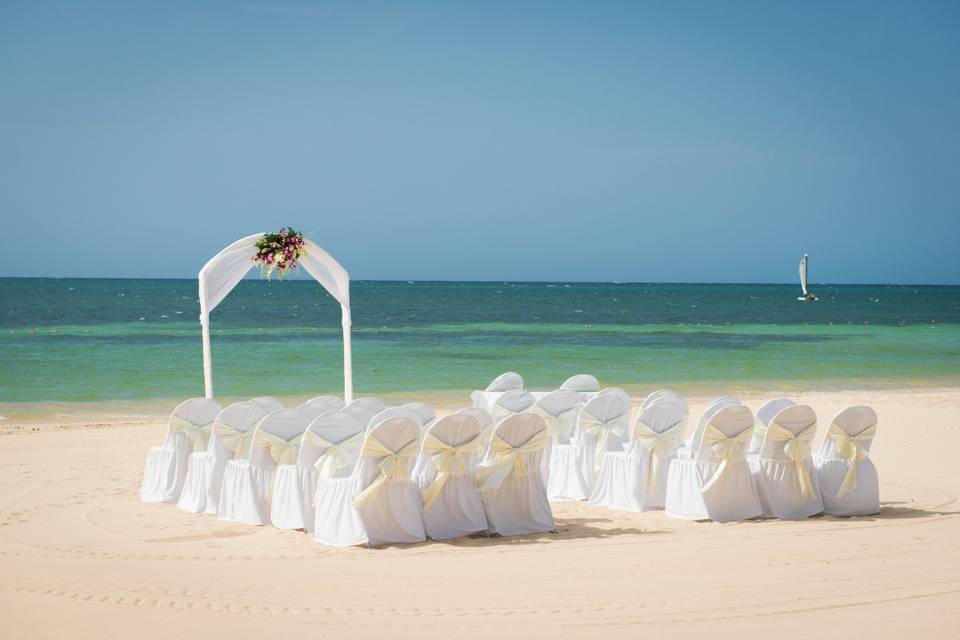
{"points": [[592, 141]]}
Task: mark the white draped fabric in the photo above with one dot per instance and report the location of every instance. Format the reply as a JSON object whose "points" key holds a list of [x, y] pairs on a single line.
{"points": [[783, 470], [636, 479], [231, 432], [223, 271], [847, 476], [511, 487], [445, 474], [328, 449], [378, 503], [248, 483], [166, 466], [603, 424], [715, 482], [767, 411]]}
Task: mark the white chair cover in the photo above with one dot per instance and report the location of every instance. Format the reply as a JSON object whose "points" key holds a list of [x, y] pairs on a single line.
{"points": [[783, 469], [662, 394], [424, 411], [329, 449], [444, 473], [507, 381], [636, 479], [764, 415], [378, 503], [231, 433], [188, 430], [511, 402], [716, 483], [583, 383], [363, 409], [320, 405], [248, 482], [559, 410], [511, 488], [689, 451], [603, 424], [848, 479]]}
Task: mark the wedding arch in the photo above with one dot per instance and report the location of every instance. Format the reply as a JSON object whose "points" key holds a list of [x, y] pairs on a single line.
{"points": [[224, 270]]}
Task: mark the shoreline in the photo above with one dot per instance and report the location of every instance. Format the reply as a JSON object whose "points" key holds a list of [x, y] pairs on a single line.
{"points": [[25, 417]]}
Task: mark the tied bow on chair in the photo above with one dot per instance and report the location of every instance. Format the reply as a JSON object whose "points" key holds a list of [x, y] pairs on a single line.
{"points": [[198, 435], [393, 465], [236, 441], [558, 425], [335, 455], [507, 459], [797, 448], [729, 449], [282, 451], [661, 446], [853, 451], [602, 432], [449, 461]]}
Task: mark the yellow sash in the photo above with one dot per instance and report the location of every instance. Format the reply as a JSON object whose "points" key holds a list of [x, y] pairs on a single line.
{"points": [[557, 425], [729, 449], [797, 448], [660, 445], [236, 441], [449, 461], [507, 459], [601, 431], [198, 435], [282, 451], [851, 448], [335, 455], [393, 465]]}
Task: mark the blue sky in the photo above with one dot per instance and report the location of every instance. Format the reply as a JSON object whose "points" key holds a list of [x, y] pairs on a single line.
{"points": [[641, 141]]}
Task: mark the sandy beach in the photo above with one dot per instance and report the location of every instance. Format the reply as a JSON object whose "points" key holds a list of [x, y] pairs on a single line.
{"points": [[83, 557]]}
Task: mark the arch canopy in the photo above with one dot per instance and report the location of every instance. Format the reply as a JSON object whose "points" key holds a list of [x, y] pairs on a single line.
{"points": [[225, 270]]}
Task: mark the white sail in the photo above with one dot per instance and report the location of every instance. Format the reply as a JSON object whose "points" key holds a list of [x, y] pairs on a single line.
{"points": [[803, 273]]}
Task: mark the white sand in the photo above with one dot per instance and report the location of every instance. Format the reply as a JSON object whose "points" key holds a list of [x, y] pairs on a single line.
{"points": [[82, 557]]}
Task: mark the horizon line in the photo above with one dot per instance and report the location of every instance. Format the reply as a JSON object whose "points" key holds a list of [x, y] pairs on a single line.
{"points": [[500, 281]]}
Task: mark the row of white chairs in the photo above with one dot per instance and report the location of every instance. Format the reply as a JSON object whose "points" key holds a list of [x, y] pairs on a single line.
{"points": [[312, 467], [734, 466], [358, 474]]}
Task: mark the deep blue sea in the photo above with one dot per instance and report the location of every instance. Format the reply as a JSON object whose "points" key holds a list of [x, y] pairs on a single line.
{"points": [[106, 339]]}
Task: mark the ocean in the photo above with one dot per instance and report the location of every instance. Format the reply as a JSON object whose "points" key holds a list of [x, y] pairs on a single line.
{"points": [[113, 339]]}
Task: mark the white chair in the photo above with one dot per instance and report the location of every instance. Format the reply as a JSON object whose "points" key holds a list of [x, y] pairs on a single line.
{"points": [[603, 424], [511, 402], [583, 383], [378, 503], [424, 411], [509, 381], [659, 395], [363, 409], [708, 412], [445, 474], [247, 482], [230, 435], [715, 483], [559, 410], [636, 479], [329, 449], [511, 487], [783, 470], [166, 467], [764, 415], [320, 405], [486, 425], [848, 478]]}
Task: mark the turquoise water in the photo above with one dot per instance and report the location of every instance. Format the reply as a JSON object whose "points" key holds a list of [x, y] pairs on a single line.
{"points": [[105, 339]]}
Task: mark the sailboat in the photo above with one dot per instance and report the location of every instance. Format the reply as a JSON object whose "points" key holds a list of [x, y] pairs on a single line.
{"points": [[807, 295]]}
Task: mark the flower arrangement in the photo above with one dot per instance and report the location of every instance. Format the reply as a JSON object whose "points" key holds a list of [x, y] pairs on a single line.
{"points": [[279, 252]]}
